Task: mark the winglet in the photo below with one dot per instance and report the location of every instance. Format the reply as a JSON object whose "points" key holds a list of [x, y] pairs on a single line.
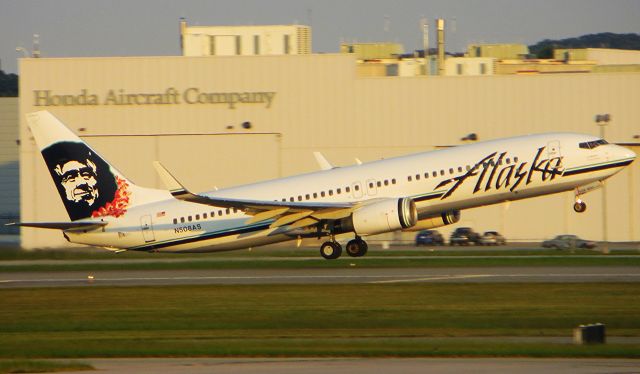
{"points": [[322, 161], [169, 180]]}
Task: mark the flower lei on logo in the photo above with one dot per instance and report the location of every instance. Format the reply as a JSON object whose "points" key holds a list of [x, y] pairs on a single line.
{"points": [[118, 206]]}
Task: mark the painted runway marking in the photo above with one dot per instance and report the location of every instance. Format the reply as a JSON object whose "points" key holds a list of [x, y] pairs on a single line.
{"points": [[447, 277]]}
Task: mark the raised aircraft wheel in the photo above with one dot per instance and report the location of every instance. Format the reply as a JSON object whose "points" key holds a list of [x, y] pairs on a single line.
{"points": [[357, 248], [579, 207], [330, 250]]}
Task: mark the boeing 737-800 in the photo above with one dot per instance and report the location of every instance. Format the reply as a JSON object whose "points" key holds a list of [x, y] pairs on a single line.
{"points": [[413, 192]]}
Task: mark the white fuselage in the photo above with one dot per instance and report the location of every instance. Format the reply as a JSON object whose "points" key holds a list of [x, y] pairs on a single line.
{"points": [[438, 181]]}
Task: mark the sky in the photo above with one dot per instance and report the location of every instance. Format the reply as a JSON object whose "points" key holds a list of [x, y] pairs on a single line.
{"points": [[79, 28]]}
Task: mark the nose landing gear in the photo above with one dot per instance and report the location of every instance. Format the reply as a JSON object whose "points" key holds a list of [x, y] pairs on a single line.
{"points": [[579, 206]]}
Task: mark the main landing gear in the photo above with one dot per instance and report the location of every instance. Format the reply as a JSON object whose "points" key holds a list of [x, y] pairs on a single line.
{"points": [[355, 248]]}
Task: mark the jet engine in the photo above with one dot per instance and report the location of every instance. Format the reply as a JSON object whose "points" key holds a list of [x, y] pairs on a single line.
{"points": [[430, 222], [380, 217]]}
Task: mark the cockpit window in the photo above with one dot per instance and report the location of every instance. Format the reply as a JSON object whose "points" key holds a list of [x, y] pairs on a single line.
{"points": [[593, 144]]}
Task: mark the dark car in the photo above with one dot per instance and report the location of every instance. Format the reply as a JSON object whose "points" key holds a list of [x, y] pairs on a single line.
{"points": [[464, 236], [568, 242], [492, 238], [429, 237]]}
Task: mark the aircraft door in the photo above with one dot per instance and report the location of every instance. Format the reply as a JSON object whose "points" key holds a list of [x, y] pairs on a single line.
{"points": [[356, 189], [146, 226]]}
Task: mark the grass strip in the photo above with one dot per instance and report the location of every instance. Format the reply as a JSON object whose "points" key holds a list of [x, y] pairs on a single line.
{"points": [[40, 366], [345, 262], [317, 320]]}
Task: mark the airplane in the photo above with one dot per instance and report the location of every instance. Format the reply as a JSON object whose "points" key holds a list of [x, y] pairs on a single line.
{"points": [[410, 193]]}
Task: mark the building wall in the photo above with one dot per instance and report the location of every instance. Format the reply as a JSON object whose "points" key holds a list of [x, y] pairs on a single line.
{"points": [[246, 40], [317, 103], [469, 66], [9, 181], [602, 56]]}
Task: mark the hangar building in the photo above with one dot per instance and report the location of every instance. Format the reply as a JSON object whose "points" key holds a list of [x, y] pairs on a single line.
{"points": [[219, 121]]}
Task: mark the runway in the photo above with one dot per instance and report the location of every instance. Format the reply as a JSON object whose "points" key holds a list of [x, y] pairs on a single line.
{"points": [[352, 275]]}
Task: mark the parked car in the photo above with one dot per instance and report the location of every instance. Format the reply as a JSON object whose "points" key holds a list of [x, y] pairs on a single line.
{"points": [[568, 242], [492, 238], [464, 236], [429, 237]]}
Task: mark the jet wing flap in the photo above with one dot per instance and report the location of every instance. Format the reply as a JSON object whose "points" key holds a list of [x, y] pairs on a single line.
{"points": [[83, 225]]}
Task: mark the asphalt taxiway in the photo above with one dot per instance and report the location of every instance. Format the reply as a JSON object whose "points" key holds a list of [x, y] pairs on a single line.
{"points": [[351, 275], [361, 365]]}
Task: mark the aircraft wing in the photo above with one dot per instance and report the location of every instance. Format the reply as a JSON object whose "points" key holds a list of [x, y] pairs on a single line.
{"points": [[83, 225], [298, 214]]}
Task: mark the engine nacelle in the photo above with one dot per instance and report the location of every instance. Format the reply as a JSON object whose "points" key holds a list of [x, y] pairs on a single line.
{"points": [[380, 217], [443, 219]]}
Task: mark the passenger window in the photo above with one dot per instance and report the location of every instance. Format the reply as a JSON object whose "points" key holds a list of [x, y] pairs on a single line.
{"points": [[190, 218], [339, 191], [322, 193], [204, 216], [175, 221], [386, 182], [197, 217], [299, 197], [315, 195], [347, 189], [213, 214], [435, 174], [515, 159], [417, 177], [426, 175], [468, 167], [291, 199], [409, 178], [460, 169], [330, 192], [450, 170], [227, 211], [508, 160], [181, 219], [357, 187], [370, 184], [379, 184], [441, 172], [307, 197], [220, 213], [393, 181]]}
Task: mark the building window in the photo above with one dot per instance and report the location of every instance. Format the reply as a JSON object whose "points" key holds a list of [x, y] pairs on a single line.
{"points": [[483, 69], [256, 44], [212, 45], [287, 47], [459, 69], [238, 45]]}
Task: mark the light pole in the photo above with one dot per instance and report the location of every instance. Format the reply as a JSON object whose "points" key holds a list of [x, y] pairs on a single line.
{"points": [[602, 120]]}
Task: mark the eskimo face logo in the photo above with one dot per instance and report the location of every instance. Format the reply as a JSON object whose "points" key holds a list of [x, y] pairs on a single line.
{"points": [[79, 181], [85, 181]]}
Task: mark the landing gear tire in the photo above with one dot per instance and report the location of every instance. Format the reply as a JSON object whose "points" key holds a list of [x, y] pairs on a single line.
{"points": [[357, 248], [330, 250], [579, 206]]}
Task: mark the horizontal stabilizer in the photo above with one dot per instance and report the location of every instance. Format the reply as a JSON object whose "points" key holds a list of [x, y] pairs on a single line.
{"points": [[79, 225]]}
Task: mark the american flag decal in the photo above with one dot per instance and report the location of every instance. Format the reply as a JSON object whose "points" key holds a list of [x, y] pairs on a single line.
{"points": [[161, 214]]}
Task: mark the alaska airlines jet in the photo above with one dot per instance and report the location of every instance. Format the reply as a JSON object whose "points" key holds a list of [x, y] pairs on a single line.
{"points": [[413, 192]]}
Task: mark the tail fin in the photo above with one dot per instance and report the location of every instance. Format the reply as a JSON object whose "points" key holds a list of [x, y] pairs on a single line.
{"points": [[87, 184]]}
